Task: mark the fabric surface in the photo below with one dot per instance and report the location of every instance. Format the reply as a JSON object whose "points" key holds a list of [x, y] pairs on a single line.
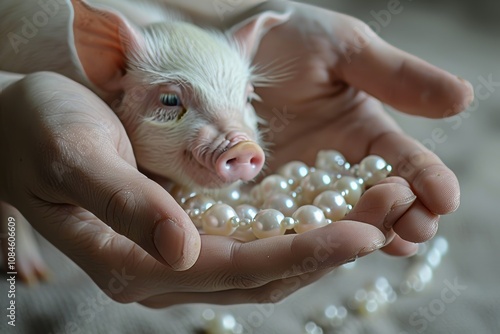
{"points": [[460, 37]]}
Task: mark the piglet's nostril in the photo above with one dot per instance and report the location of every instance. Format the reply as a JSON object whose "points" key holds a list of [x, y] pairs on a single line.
{"points": [[243, 161]]}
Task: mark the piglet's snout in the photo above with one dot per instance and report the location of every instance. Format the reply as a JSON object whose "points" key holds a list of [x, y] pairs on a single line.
{"points": [[243, 161]]}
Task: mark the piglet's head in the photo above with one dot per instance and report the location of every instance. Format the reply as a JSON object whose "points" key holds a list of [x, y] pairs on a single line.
{"points": [[186, 95]]}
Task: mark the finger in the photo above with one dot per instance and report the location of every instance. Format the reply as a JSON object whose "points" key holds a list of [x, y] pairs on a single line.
{"points": [[435, 185], [272, 292], [418, 224], [132, 205], [400, 247], [397, 78], [225, 263], [383, 205]]}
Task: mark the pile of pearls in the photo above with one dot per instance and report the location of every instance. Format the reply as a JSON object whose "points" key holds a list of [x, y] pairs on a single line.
{"points": [[298, 198]]}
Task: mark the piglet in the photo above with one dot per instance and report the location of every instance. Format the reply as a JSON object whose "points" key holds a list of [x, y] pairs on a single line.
{"points": [[183, 93]]}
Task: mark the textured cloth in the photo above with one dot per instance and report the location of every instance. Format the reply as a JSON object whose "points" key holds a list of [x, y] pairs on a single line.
{"points": [[451, 35]]}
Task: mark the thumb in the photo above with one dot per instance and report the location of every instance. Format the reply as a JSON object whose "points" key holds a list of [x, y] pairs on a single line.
{"points": [[134, 206]]}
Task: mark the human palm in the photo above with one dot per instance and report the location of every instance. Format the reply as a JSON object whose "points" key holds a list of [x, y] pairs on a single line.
{"points": [[340, 71]]}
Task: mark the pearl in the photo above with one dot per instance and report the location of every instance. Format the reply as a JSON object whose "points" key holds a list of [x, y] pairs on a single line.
{"points": [[246, 213], [349, 187], [274, 184], [281, 202], [267, 223], [330, 160], [218, 220], [332, 203], [309, 217], [181, 194], [294, 170], [313, 185], [373, 169], [332, 317], [288, 223], [231, 195], [224, 323], [312, 328], [200, 202]]}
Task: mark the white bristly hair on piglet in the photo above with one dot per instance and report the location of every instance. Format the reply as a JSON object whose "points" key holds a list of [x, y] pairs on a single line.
{"points": [[214, 77]]}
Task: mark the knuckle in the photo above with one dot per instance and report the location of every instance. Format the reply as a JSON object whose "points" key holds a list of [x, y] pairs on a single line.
{"points": [[118, 202]]}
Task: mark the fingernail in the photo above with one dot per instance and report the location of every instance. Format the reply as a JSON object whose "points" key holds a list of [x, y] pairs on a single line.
{"points": [[471, 90], [169, 241], [370, 249], [398, 209]]}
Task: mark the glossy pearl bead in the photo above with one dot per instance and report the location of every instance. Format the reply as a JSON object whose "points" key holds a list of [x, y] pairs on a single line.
{"points": [[314, 184], [274, 184], [231, 195], [218, 220], [333, 205], [350, 188], [224, 323], [330, 160], [295, 170], [373, 169], [281, 202], [267, 223], [246, 213], [309, 217]]}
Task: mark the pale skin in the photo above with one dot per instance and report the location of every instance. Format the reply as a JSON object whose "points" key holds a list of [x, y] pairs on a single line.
{"points": [[334, 102]]}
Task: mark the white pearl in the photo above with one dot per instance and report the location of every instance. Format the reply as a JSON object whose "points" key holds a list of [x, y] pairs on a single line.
{"points": [[314, 184], [245, 211], [281, 202], [256, 196], [231, 195], [332, 316], [274, 184], [332, 203], [373, 169], [218, 220], [330, 160], [200, 202], [295, 170], [224, 323], [267, 223], [288, 223], [349, 188], [181, 194], [309, 217]]}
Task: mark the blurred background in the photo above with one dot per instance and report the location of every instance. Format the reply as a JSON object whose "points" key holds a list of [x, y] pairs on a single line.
{"points": [[462, 296]]}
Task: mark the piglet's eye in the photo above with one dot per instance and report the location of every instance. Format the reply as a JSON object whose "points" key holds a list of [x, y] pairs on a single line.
{"points": [[170, 100]]}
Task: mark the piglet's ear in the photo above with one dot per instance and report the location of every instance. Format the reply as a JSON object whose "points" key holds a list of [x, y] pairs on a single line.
{"points": [[102, 40], [250, 32]]}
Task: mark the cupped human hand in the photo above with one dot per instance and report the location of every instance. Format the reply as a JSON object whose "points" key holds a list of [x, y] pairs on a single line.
{"points": [[334, 74], [68, 166]]}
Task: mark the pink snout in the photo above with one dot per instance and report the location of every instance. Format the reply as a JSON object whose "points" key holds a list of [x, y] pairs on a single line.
{"points": [[243, 161]]}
